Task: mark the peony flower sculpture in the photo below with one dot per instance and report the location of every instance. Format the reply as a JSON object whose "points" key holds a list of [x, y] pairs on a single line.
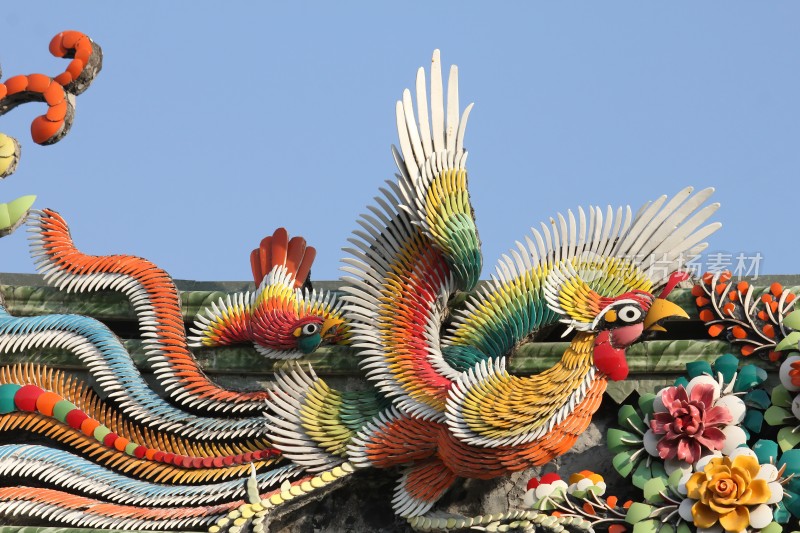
{"points": [[689, 424], [699, 453], [693, 421], [734, 493]]}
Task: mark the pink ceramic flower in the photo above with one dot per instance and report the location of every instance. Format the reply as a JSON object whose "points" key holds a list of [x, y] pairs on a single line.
{"points": [[690, 424]]}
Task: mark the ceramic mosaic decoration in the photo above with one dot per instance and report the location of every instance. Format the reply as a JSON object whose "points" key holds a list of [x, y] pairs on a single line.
{"points": [[438, 402]]}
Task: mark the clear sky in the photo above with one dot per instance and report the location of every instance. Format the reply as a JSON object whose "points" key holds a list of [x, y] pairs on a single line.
{"points": [[213, 123]]}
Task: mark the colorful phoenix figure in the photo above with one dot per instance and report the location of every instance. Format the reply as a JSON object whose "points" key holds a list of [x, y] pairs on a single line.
{"points": [[439, 403], [282, 319], [456, 411]]}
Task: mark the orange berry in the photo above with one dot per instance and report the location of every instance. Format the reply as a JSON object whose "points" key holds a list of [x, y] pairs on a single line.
{"points": [[697, 290], [776, 289], [733, 296], [715, 330], [706, 315], [769, 331], [739, 332], [748, 349], [719, 289], [742, 286]]}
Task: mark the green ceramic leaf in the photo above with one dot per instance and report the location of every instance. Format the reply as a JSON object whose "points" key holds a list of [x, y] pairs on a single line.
{"points": [[781, 514], [791, 458], [674, 479], [726, 365], [5, 218], [623, 464], [646, 403], [757, 398], [787, 438], [657, 468], [629, 417], [647, 526], [683, 528], [772, 528], [790, 341], [766, 451], [667, 528], [698, 368], [753, 421], [792, 320], [781, 397], [652, 490], [777, 416], [619, 440], [750, 376], [19, 207], [792, 504], [644, 473], [638, 512]]}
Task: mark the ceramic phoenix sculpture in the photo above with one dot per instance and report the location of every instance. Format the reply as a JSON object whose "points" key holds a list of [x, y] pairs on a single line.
{"points": [[439, 402]]}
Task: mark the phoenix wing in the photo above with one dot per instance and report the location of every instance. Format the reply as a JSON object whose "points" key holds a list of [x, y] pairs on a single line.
{"points": [[417, 247]]}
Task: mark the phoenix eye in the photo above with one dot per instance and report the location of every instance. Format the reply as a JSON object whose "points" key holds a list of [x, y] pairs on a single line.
{"points": [[630, 313], [310, 329]]}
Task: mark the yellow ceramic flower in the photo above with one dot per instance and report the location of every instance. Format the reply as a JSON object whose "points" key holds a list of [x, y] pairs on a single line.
{"points": [[724, 490]]}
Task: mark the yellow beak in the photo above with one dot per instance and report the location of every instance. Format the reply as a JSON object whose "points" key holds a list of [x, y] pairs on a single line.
{"points": [[660, 310], [329, 323]]}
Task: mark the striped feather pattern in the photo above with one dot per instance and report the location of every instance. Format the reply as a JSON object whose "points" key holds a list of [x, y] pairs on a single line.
{"points": [[77, 392], [58, 468], [313, 423], [266, 317], [79, 511], [419, 245], [433, 178], [155, 301], [563, 269], [114, 459], [110, 364]]}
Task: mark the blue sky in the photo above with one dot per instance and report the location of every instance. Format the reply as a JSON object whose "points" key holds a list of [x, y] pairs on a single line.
{"points": [[212, 125]]}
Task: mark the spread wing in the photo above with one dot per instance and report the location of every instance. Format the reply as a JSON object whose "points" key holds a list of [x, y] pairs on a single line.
{"points": [[417, 246], [561, 275], [313, 424], [562, 270], [223, 323]]}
